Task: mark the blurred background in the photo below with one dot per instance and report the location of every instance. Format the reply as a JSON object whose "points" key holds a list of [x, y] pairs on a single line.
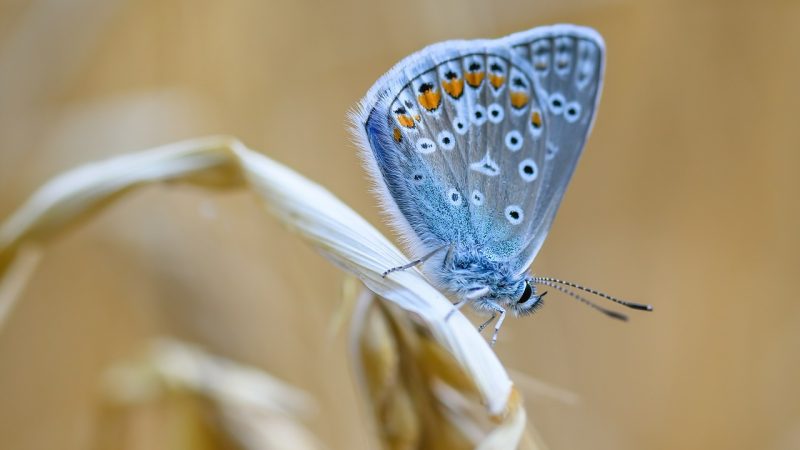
{"points": [[686, 198]]}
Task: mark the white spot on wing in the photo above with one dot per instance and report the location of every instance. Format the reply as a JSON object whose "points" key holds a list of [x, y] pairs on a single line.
{"points": [[486, 166], [454, 197], [513, 140], [572, 112], [514, 214], [460, 125], [478, 115], [551, 150], [496, 113], [528, 170], [557, 102], [425, 146], [477, 198], [446, 140]]}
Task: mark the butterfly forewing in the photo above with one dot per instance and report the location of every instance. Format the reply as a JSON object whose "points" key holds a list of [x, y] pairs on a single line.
{"points": [[457, 134]]}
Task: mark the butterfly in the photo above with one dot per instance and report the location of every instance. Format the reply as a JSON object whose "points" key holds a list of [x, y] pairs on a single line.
{"points": [[471, 145]]}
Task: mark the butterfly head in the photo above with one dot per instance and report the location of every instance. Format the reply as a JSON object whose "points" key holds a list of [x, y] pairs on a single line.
{"points": [[528, 300]]}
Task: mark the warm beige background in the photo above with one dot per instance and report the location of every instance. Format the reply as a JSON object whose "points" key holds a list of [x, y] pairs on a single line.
{"points": [[686, 198]]}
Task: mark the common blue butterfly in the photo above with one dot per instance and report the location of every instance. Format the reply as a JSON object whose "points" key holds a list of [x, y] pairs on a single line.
{"points": [[472, 144]]}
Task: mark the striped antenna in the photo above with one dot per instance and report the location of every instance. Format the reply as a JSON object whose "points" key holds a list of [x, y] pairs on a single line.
{"points": [[608, 312], [633, 305]]}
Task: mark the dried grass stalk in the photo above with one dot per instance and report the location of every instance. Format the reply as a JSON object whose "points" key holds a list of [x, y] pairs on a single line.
{"points": [[419, 394], [307, 209], [193, 399]]}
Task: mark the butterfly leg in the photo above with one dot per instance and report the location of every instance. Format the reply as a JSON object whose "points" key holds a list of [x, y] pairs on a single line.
{"points": [[413, 263], [456, 307], [486, 324], [447, 261], [499, 322]]}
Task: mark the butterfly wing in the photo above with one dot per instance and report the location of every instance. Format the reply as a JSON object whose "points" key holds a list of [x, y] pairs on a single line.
{"points": [[456, 141], [568, 63]]}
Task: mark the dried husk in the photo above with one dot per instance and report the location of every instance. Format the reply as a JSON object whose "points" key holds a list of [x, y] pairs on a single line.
{"points": [[420, 396]]}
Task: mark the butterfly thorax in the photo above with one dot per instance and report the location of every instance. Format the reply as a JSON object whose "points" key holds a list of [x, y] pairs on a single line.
{"points": [[467, 272]]}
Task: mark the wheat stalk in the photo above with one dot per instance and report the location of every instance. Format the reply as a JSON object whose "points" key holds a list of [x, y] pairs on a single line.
{"points": [[221, 401], [310, 211]]}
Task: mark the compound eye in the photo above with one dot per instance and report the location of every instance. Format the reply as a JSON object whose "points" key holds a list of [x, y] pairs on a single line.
{"points": [[526, 294]]}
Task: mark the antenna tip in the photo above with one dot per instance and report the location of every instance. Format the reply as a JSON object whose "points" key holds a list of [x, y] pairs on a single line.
{"points": [[615, 315], [639, 306]]}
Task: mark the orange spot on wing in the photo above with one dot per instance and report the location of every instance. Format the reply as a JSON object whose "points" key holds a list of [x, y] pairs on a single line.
{"points": [[454, 88], [397, 135], [497, 80], [474, 79], [536, 119], [405, 120], [417, 118], [430, 100], [519, 99]]}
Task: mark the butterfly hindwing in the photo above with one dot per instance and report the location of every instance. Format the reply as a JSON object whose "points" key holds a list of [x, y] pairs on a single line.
{"points": [[568, 63]]}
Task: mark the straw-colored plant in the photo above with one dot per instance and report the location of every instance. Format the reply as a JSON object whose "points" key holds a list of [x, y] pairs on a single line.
{"points": [[190, 398], [431, 382]]}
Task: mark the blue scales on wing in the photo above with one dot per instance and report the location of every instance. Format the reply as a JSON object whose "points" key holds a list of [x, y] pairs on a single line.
{"points": [[568, 63], [457, 138]]}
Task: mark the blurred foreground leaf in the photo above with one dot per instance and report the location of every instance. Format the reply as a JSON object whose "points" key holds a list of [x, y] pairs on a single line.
{"points": [[180, 397], [421, 370]]}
